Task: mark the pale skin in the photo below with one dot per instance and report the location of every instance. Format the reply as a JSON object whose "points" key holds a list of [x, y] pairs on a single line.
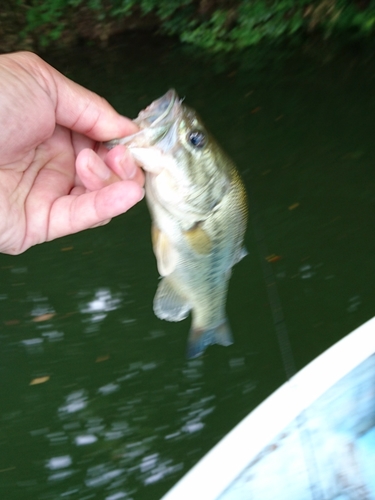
{"points": [[56, 178]]}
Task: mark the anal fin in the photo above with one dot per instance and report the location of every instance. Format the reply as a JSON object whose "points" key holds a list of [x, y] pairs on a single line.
{"points": [[242, 253]]}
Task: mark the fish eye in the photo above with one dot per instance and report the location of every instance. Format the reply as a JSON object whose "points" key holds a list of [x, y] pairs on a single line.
{"points": [[197, 138]]}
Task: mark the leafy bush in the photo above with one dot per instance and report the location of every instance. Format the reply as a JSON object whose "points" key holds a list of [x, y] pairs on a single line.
{"points": [[216, 25]]}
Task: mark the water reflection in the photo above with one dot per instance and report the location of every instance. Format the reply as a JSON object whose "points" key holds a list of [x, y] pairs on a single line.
{"points": [[74, 402], [102, 438], [97, 399], [103, 302], [104, 420], [133, 459]]}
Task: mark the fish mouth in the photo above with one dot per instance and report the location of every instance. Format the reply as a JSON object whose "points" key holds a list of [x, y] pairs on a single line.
{"points": [[156, 122], [162, 110]]}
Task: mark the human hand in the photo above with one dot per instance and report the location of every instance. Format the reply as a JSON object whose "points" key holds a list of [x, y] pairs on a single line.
{"points": [[55, 176]]}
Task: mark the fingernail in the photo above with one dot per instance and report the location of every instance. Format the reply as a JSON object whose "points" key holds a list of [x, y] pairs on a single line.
{"points": [[98, 168], [103, 173], [132, 171], [128, 166]]}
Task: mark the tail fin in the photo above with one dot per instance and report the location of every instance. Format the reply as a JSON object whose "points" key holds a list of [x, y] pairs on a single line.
{"points": [[200, 339]]}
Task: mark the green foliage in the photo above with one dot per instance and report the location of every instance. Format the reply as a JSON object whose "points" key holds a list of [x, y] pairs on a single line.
{"points": [[211, 34], [246, 25], [361, 20], [257, 21], [216, 25], [121, 8], [42, 13]]}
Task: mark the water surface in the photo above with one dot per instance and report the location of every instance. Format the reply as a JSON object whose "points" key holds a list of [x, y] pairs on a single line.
{"points": [[97, 400]]}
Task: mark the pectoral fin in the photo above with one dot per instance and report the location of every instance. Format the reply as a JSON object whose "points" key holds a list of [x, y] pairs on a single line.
{"points": [[198, 239], [168, 304], [166, 255]]}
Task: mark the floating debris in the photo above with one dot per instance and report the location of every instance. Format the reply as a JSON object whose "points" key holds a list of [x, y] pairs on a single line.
{"points": [[39, 380]]}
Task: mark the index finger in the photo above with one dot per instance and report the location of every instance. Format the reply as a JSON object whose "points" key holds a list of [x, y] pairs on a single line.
{"points": [[76, 107]]}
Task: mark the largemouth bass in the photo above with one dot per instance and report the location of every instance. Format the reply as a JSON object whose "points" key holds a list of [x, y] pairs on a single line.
{"points": [[198, 207]]}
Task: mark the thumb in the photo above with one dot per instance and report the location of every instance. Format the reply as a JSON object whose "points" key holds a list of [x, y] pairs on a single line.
{"points": [[85, 112]]}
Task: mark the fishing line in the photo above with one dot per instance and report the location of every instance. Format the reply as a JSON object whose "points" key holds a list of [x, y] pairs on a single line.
{"points": [[283, 339], [272, 292]]}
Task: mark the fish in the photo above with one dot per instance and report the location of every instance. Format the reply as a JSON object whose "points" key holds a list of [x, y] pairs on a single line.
{"points": [[198, 208]]}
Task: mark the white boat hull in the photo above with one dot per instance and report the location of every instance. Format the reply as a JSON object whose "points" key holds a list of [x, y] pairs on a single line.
{"points": [[312, 439]]}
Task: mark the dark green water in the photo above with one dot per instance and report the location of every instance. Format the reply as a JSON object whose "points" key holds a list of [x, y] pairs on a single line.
{"points": [[122, 413]]}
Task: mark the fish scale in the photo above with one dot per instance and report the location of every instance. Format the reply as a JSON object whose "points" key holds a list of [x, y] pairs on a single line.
{"points": [[198, 207]]}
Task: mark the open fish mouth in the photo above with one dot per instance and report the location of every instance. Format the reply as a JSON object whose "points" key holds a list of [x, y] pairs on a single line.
{"points": [[155, 122], [163, 109]]}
